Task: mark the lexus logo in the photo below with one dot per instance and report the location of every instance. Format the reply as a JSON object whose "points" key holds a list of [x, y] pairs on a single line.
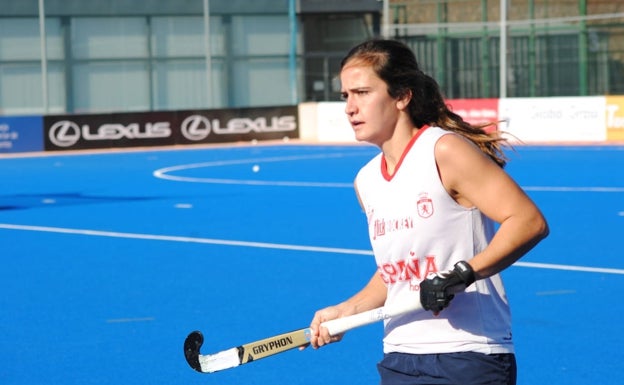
{"points": [[198, 127], [64, 133], [195, 127]]}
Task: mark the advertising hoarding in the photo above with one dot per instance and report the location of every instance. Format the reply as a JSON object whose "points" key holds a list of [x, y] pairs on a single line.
{"points": [[615, 118], [561, 119], [20, 134], [165, 128]]}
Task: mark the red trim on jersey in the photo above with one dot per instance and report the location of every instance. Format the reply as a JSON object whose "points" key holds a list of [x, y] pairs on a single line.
{"points": [[384, 165]]}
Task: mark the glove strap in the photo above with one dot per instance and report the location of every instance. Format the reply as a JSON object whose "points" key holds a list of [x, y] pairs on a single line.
{"points": [[465, 272]]}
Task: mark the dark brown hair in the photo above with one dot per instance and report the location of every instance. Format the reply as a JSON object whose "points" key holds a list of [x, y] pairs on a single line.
{"points": [[395, 63]]}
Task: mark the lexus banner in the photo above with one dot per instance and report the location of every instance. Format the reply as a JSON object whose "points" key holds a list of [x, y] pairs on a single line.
{"points": [[76, 132]]}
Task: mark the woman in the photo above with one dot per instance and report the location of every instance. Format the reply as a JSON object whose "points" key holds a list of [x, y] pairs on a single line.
{"points": [[431, 198]]}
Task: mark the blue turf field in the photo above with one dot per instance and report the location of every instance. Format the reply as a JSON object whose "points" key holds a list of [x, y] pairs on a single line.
{"points": [[110, 259]]}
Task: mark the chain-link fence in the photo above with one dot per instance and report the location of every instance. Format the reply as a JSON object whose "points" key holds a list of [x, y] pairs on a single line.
{"points": [[551, 47]]}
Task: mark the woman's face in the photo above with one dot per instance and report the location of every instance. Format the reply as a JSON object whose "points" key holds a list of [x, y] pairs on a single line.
{"points": [[372, 112]]}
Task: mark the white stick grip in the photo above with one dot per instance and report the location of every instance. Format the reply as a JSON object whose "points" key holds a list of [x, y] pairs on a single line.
{"points": [[341, 325]]}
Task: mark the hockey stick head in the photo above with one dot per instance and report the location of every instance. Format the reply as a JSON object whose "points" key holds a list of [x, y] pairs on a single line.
{"points": [[192, 344]]}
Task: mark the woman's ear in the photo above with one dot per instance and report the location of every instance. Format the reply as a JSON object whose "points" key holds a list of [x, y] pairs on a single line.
{"points": [[404, 100]]}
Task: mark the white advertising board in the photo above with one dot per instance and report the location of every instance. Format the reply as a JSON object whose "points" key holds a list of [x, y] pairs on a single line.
{"points": [[333, 124], [561, 119]]}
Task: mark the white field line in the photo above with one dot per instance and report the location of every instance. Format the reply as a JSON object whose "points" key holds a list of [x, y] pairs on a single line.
{"points": [[317, 249], [167, 173], [170, 238], [574, 189]]}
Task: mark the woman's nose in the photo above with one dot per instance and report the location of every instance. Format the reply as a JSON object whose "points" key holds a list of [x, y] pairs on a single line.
{"points": [[350, 108]]}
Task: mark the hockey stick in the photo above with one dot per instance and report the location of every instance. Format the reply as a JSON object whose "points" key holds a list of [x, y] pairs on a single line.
{"points": [[256, 350]]}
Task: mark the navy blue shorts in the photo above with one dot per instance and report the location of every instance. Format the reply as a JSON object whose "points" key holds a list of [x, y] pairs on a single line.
{"points": [[466, 368]]}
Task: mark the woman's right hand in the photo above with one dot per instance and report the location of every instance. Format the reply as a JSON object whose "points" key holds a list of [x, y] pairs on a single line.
{"points": [[320, 335], [371, 296]]}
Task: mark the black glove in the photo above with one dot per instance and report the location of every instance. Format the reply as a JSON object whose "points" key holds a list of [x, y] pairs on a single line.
{"points": [[437, 290]]}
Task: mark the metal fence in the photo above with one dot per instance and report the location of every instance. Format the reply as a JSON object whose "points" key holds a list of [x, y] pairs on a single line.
{"points": [[577, 49]]}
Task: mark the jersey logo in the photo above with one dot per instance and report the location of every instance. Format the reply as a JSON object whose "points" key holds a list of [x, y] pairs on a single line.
{"points": [[424, 206]]}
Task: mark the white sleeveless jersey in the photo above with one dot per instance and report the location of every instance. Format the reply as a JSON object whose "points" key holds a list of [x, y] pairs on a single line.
{"points": [[416, 228]]}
